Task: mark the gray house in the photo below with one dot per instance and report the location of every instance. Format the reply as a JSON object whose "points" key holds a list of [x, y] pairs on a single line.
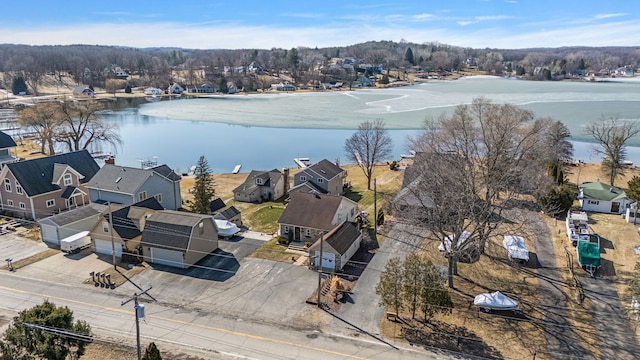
{"points": [[338, 246], [57, 227], [178, 239], [127, 185], [261, 186], [324, 176]]}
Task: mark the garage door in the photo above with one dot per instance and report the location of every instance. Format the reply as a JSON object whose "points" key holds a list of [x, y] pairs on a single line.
{"points": [[167, 257], [104, 247], [328, 261], [49, 234]]}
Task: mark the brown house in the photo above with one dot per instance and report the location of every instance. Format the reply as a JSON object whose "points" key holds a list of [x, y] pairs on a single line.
{"points": [[42, 187]]}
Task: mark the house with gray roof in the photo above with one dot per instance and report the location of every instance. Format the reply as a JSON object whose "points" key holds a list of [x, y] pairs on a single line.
{"points": [[600, 197], [178, 239], [323, 176], [307, 215], [68, 223], [7, 145], [120, 228], [261, 186], [41, 187], [127, 185], [338, 246]]}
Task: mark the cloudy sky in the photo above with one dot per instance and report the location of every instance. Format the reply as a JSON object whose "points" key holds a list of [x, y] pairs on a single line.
{"points": [[264, 24]]}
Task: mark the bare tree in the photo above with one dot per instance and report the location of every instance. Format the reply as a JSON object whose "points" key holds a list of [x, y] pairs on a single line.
{"points": [[44, 120], [469, 169], [369, 145], [81, 126], [612, 134]]}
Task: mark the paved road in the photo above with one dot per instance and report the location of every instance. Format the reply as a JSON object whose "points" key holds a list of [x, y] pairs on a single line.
{"points": [[562, 340], [364, 312]]}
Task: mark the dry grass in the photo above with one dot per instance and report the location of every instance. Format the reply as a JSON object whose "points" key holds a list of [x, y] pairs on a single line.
{"points": [[121, 275], [592, 172], [33, 259]]}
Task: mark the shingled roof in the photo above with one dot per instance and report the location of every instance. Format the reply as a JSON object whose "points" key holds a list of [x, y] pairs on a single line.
{"points": [[6, 141], [342, 236], [170, 229], [311, 210], [126, 179], [36, 175], [326, 169]]}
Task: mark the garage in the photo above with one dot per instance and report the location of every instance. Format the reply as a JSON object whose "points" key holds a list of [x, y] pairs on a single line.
{"points": [[167, 257], [49, 234], [328, 261], [104, 247]]}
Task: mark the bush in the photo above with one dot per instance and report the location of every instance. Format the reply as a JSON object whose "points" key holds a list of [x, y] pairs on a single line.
{"points": [[283, 240]]}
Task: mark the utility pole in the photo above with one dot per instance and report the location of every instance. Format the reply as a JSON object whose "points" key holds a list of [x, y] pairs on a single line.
{"points": [[375, 209], [113, 244], [320, 270], [138, 312]]}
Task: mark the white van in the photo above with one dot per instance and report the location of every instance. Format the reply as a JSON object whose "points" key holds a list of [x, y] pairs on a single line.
{"points": [[75, 243]]}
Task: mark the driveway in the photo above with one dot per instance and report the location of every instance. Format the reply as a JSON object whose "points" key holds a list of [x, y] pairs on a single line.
{"points": [[17, 247]]}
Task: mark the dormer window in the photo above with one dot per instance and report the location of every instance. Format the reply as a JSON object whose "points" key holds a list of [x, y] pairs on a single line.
{"points": [[320, 180], [258, 181], [67, 180], [303, 178]]}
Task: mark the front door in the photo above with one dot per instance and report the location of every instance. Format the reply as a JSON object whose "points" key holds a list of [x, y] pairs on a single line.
{"points": [[615, 207], [296, 234]]}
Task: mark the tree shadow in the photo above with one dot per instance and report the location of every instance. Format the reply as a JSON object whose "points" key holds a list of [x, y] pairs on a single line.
{"points": [[353, 195], [605, 244]]}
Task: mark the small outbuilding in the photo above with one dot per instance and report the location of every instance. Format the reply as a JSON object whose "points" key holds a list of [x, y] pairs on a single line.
{"points": [[338, 246]]}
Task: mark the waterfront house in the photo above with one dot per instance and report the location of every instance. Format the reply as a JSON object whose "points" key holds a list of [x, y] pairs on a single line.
{"points": [[178, 239], [323, 176], [338, 246], [261, 186], [203, 88], [84, 90], [41, 187], [603, 198], [307, 215], [175, 89], [7, 145]]}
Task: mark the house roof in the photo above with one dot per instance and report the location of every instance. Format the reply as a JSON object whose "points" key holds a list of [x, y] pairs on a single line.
{"points": [[229, 212], [310, 187], [601, 191], [127, 180], [170, 229], [216, 205], [269, 178], [77, 214], [6, 141], [324, 168], [311, 210], [36, 175], [126, 220], [341, 237]]}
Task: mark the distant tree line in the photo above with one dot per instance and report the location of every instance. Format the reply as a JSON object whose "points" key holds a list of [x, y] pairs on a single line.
{"points": [[95, 65]]}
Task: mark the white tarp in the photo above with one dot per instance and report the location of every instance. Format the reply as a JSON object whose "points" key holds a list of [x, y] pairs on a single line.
{"points": [[226, 228], [516, 249], [446, 243], [495, 300]]}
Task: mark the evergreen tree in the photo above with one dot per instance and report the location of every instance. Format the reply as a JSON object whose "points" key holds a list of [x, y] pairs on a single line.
{"points": [[408, 55], [223, 85], [19, 86], [434, 297], [412, 283], [203, 189], [390, 286], [22, 342], [152, 353], [127, 89], [634, 193]]}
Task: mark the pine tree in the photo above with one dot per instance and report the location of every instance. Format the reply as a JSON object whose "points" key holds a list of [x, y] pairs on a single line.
{"points": [[203, 189], [19, 86], [408, 55], [152, 353]]}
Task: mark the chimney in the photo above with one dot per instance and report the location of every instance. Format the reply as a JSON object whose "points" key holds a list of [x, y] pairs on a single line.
{"points": [[110, 160]]}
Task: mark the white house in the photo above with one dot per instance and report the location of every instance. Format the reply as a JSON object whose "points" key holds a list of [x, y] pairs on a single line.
{"points": [[602, 198]]}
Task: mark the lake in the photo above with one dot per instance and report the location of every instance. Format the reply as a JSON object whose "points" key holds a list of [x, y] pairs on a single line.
{"points": [[265, 131]]}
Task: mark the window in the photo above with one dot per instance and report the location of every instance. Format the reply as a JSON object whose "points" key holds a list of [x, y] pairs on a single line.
{"points": [[158, 197], [308, 232], [105, 226], [201, 226], [9, 202], [258, 181], [51, 202], [286, 229], [142, 195], [22, 205], [18, 188], [67, 179], [320, 180], [303, 178], [7, 185], [594, 202]]}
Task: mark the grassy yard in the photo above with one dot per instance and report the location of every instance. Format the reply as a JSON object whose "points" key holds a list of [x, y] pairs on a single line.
{"points": [[271, 250]]}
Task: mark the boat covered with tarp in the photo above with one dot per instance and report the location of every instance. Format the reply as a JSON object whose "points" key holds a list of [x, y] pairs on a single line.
{"points": [[495, 301], [516, 248], [588, 255], [226, 228]]}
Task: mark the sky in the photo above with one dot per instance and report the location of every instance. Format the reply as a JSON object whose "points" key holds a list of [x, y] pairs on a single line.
{"points": [[266, 24]]}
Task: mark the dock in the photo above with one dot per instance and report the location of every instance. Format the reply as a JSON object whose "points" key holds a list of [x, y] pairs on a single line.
{"points": [[236, 169], [302, 162]]}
